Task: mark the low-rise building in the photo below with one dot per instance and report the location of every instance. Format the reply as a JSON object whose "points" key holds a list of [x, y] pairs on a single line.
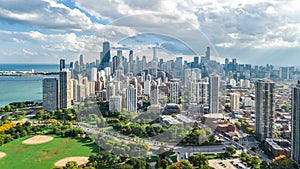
{"points": [[277, 147]]}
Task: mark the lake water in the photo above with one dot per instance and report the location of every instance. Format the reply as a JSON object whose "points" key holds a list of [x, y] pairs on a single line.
{"points": [[22, 88]]}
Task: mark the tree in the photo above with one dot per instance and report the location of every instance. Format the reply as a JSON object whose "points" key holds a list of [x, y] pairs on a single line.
{"points": [[182, 165], [254, 161], [71, 165], [164, 163], [198, 160], [282, 162], [139, 163], [230, 150], [264, 165]]}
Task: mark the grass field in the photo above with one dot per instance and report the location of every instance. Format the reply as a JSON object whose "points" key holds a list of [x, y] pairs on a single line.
{"points": [[42, 156]]}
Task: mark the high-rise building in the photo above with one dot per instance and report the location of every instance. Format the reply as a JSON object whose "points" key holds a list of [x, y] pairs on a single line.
{"points": [[144, 63], [131, 99], [130, 64], [200, 92], [154, 54], [80, 92], [74, 83], [207, 54], [264, 108], [62, 64], [115, 103], [50, 94], [174, 87], [153, 93], [81, 60], [214, 90], [235, 102], [105, 56], [296, 124], [94, 74], [65, 88], [120, 60]]}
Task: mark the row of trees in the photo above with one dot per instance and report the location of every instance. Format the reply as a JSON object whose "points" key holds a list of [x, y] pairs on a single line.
{"points": [[104, 159]]}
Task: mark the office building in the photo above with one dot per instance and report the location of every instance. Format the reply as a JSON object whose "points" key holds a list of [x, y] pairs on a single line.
{"points": [[62, 64], [65, 88], [200, 92], [104, 56], [174, 87], [296, 124], [235, 102], [131, 99], [115, 103], [93, 75], [50, 94], [264, 108], [214, 93]]}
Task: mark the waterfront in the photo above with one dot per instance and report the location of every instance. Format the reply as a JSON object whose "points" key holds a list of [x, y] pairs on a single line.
{"points": [[22, 88]]}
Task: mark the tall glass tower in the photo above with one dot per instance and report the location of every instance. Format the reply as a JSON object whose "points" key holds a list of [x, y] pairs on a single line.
{"points": [[104, 56]]}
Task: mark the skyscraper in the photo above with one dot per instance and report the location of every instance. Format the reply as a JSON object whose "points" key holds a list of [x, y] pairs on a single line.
{"points": [[174, 91], [105, 56], [93, 75], [214, 89], [235, 102], [50, 94], [130, 64], [131, 99], [264, 108], [153, 93], [120, 60], [207, 54], [296, 124], [65, 88], [115, 103], [62, 64], [200, 92], [114, 64]]}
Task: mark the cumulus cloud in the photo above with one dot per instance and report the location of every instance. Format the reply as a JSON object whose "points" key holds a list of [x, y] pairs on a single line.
{"points": [[46, 14], [233, 25]]}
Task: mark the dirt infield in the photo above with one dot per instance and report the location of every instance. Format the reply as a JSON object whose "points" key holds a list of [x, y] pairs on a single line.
{"points": [[80, 161], [38, 140], [2, 154]]}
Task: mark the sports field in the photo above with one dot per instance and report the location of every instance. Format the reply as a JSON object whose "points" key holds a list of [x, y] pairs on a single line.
{"points": [[42, 156]]}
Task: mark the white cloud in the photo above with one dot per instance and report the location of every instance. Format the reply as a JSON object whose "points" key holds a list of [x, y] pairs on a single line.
{"points": [[46, 14]]}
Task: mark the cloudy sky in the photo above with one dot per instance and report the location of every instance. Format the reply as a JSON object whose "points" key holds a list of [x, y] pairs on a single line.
{"points": [[256, 31]]}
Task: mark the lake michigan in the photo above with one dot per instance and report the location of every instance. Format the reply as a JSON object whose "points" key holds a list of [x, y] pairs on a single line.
{"points": [[23, 88]]}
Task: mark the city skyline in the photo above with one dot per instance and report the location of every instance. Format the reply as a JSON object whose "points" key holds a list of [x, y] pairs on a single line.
{"points": [[253, 32]]}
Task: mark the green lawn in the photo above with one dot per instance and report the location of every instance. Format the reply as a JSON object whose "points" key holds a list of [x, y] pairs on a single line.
{"points": [[42, 156]]}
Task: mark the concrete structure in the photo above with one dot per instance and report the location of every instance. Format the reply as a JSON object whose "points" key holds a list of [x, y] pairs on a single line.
{"points": [[131, 99], [65, 85], [296, 123], [50, 94], [200, 92], [153, 93], [277, 147], [235, 102], [115, 103], [93, 76], [174, 91], [264, 108], [214, 89]]}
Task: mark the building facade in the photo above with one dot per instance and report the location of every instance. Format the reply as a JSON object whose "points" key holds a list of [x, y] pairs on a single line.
{"points": [[214, 89], [51, 94], [296, 123], [264, 108]]}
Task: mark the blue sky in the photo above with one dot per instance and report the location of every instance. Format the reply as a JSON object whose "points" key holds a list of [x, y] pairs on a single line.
{"points": [[256, 31]]}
